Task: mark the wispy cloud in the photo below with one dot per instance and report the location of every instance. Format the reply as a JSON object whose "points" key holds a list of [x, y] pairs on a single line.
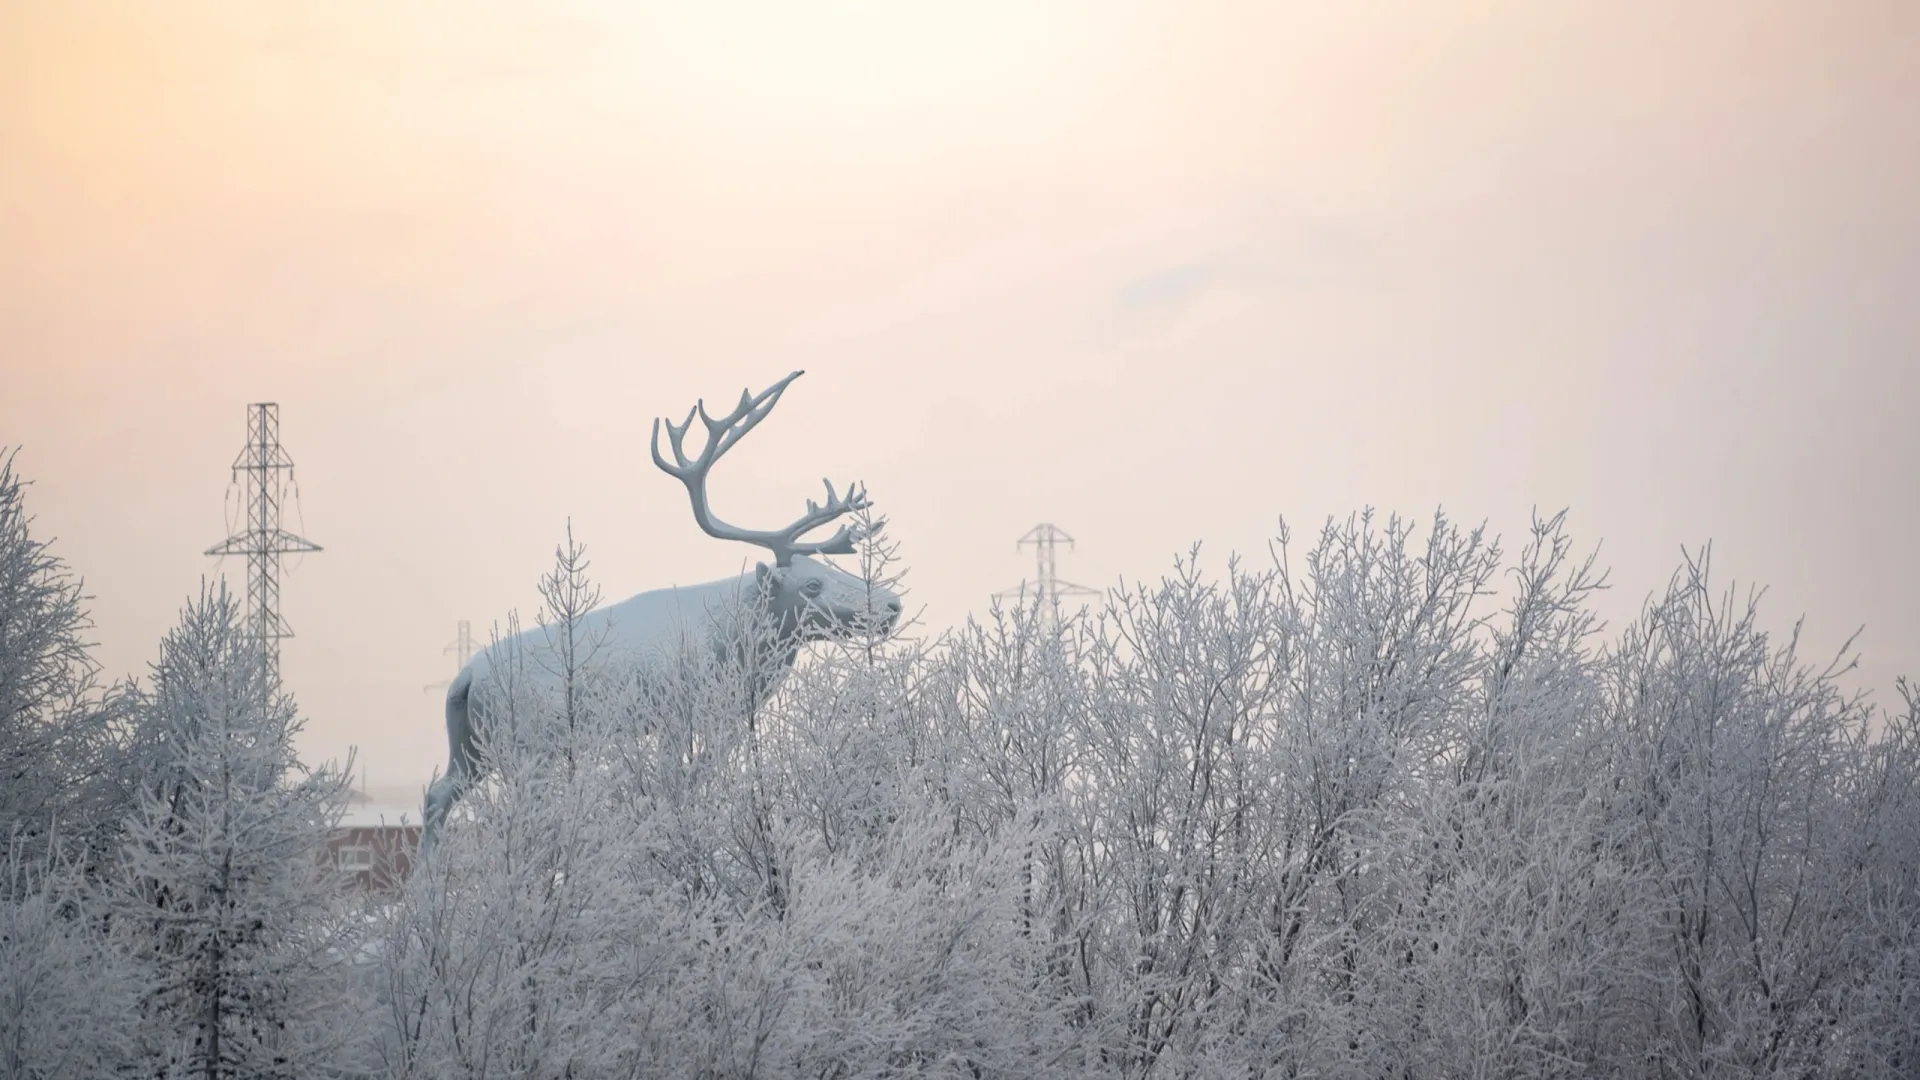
{"points": [[1298, 258]]}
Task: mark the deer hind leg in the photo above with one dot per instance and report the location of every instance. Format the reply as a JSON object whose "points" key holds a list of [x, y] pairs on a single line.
{"points": [[462, 763]]}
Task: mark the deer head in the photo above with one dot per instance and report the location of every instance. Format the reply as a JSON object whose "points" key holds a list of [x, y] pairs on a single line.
{"points": [[807, 597]]}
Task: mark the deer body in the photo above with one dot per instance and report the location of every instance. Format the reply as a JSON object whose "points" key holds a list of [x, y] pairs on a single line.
{"points": [[779, 608], [654, 627]]}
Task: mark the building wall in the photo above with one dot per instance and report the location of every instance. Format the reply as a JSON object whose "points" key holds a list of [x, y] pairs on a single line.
{"points": [[389, 850]]}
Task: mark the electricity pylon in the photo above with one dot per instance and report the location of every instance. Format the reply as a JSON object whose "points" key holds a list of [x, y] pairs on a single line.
{"points": [[1046, 586], [462, 648], [269, 474]]}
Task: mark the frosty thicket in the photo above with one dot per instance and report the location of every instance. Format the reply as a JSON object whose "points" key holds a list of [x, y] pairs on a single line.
{"points": [[1347, 814]]}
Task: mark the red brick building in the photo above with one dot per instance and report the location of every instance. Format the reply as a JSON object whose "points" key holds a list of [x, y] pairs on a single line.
{"points": [[376, 845]]}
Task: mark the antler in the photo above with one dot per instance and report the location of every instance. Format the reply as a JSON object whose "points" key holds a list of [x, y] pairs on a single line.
{"points": [[721, 435]]}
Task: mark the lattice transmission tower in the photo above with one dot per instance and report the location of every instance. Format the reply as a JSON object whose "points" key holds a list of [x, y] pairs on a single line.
{"points": [[268, 480], [462, 649], [1046, 588]]}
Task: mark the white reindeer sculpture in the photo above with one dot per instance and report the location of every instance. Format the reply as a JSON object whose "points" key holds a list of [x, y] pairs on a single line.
{"points": [[797, 599]]}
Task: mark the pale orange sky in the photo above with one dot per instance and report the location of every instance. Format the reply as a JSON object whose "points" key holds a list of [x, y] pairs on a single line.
{"points": [[1158, 272]]}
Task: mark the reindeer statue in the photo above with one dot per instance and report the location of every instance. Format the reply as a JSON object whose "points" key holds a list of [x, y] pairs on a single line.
{"points": [[796, 600]]}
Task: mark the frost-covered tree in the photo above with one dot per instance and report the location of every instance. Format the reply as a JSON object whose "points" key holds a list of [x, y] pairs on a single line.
{"points": [[1872, 1004], [1737, 756], [514, 949], [1511, 926], [58, 766], [1354, 816], [224, 898], [695, 892], [68, 999]]}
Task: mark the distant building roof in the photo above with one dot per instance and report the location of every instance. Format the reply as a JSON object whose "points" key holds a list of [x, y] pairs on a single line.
{"points": [[371, 816]]}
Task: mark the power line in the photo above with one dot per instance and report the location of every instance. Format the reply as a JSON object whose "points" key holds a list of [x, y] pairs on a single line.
{"points": [[269, 475]]}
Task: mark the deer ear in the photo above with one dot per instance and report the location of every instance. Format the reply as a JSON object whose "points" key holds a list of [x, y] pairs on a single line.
{"points": [[761, 573]]}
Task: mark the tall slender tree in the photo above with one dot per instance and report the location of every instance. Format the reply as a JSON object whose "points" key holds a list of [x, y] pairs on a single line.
{"points": [[57, 721], [224, 897]]}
